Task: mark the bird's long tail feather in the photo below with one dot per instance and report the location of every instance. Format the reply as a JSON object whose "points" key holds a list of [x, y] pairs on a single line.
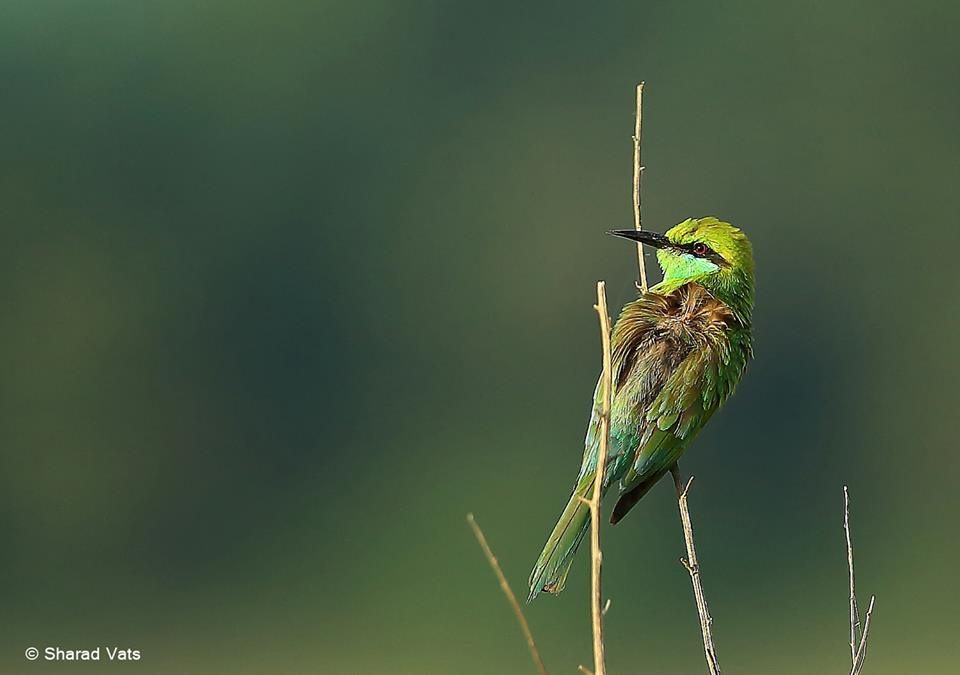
{"points": [[553, 565]]}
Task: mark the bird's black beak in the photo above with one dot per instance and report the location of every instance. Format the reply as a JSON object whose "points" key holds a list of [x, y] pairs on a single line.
{"points": [[644, 237]]}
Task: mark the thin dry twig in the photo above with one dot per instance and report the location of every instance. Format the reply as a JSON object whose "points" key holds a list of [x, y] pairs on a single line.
{"points": [[596, 601], [854, 612], [693, 568], [637, 173], [862, 648], [858, 648], [507, 591]]}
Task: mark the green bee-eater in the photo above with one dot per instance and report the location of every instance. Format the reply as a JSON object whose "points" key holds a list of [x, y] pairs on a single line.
{"points": [[678, 351]]}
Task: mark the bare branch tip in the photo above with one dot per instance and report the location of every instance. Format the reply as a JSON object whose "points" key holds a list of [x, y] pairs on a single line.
{"points": [[508, 593]]}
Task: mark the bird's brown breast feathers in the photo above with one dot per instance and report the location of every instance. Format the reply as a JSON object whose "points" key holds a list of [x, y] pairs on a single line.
{"points": [[693, 310], [666, 327]]}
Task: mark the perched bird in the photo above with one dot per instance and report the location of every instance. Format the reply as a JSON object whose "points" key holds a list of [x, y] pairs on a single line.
{"points": [[678, 351]]}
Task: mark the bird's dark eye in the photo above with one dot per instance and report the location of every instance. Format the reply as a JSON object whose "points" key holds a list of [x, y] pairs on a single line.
{"points": [[700, 248]]}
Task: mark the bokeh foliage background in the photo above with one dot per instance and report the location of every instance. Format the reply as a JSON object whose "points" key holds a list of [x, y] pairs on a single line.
{"points": [[290, 287]]}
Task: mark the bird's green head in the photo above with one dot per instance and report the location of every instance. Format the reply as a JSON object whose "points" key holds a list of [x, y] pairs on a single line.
{"points": [[708, 251]]}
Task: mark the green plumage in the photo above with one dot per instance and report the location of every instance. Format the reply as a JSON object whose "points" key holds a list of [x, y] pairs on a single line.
{"points": [[678, 352]]}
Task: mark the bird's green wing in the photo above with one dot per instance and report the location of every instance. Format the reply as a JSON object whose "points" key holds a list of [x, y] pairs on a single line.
{"points": [[688, 398], [673, 417], [676, 357]]}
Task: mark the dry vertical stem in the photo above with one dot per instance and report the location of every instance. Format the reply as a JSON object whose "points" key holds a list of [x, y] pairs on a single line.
{"points": [[854, 613], [858, 648], [637, 173], [596, 601], [693, 568], [507, 591]]}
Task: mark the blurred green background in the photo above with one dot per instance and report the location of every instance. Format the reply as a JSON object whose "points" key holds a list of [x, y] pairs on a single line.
{"points": [[290, 287]]}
